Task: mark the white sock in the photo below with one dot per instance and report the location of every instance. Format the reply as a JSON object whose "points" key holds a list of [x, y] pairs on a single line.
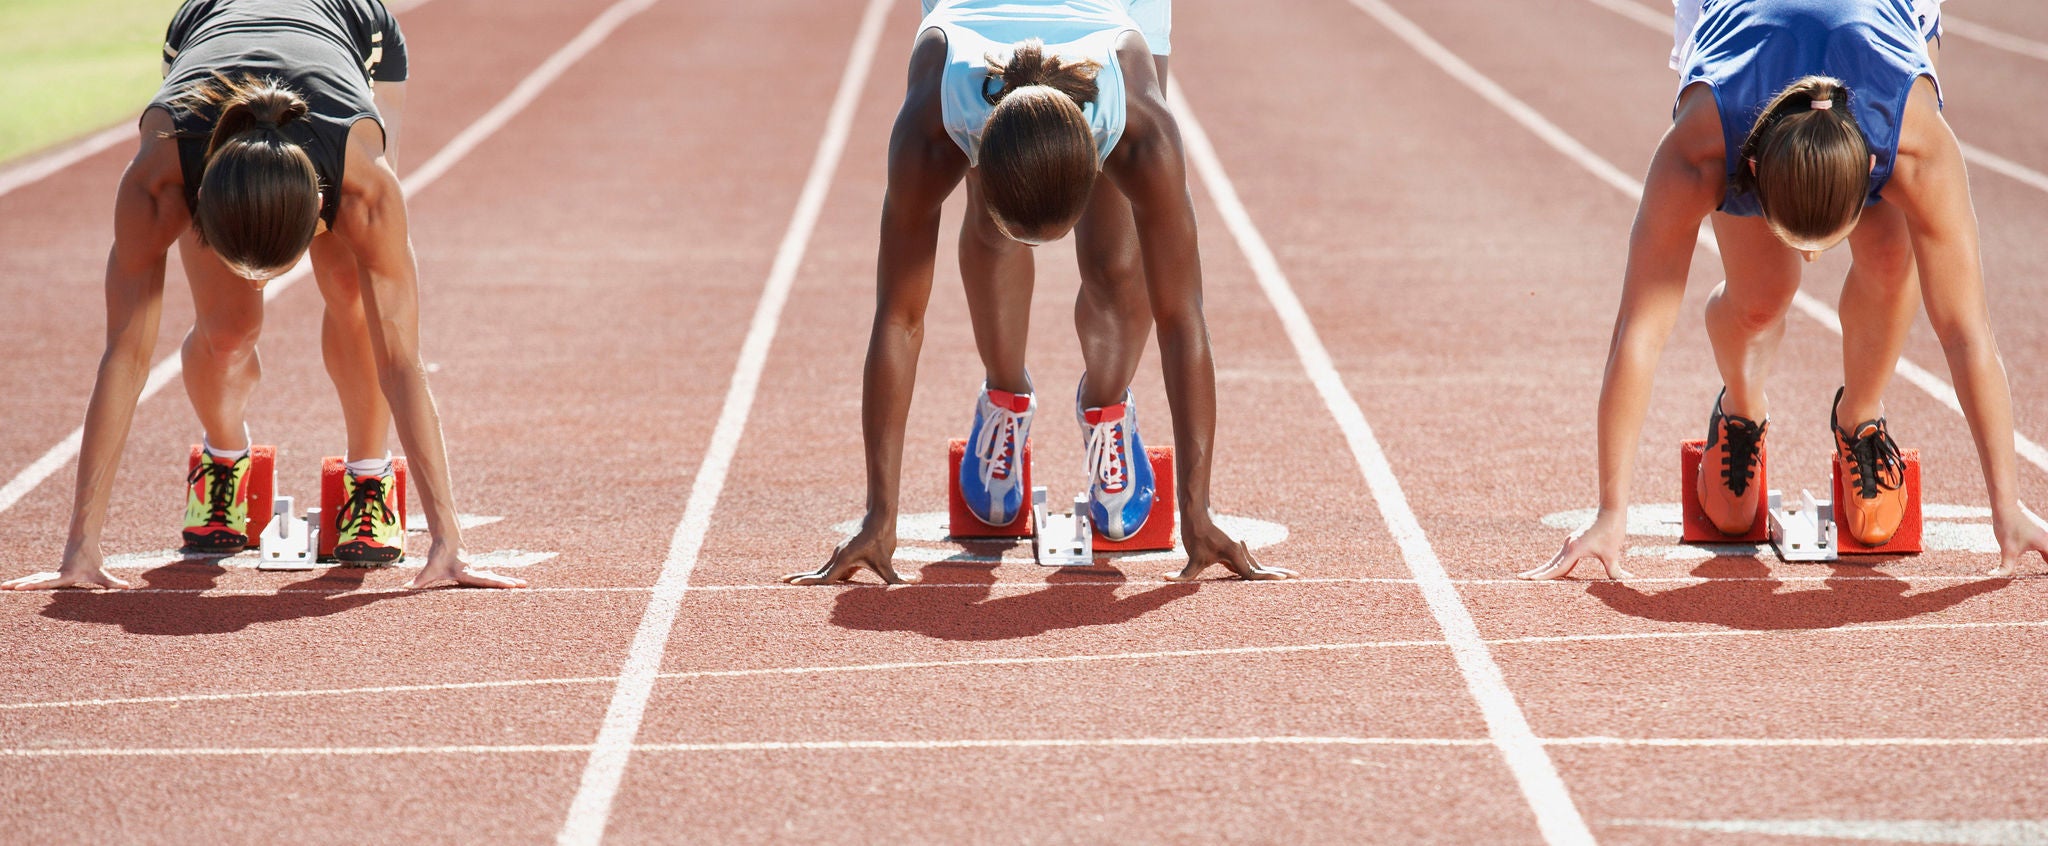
{"points": [[226, 454], [370, 466]]}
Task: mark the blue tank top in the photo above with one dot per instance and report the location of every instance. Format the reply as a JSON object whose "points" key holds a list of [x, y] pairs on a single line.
{"points": [[1749, 50], [1074, 29]]}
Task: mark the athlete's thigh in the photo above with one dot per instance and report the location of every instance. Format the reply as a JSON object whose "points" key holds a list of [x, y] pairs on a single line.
{"points": [[1882, 241], [1106, 237], [1760, 267], [336, 272], [223, 303]]}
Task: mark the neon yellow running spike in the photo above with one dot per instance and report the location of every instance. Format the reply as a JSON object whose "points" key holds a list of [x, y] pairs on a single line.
{"points": [[368, 531], [217, 505]]}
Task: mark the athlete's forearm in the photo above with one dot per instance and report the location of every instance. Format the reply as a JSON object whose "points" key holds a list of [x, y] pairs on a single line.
{"points": [[1624, 402], [887, 382], [1986, 398], [1189, 368], [418, 423]]}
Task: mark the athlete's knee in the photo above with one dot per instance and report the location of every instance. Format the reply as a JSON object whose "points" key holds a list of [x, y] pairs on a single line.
{"points": [[1888, 263], [1116, 269], [1749, 315], [229, 344]]}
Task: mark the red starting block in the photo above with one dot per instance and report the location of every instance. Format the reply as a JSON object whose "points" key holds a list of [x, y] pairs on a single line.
{"points": [[960, 522], [332, 468], [1699, 529], [257, 491], [1905, 541], [1157, 534]]}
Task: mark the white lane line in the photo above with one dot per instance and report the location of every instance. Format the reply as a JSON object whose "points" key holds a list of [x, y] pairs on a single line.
{"points": [[294, 694], [1563, 142], [1556, 814], [1033, 743], [1791, 742], [685, 675], [457, 148], [36, 169], [2002, 40], [607, 765]]}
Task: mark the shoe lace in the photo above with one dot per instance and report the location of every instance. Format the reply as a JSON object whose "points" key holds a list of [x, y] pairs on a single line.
{"points": [[1106, 456], [220, 487], [998, 445], [365, 506], [1875, 461], [1739, 459]]}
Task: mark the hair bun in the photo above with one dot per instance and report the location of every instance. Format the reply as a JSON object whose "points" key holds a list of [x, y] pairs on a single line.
{"points": [[1029, 65]]}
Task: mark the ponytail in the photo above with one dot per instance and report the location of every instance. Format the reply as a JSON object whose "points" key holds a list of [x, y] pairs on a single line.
{"points": [[1806, 161], [259, 201], [1029, 65]]}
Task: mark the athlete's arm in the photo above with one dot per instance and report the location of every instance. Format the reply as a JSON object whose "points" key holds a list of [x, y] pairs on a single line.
{"points": [[149, 215], [924, 167], [372, 224], [1930, 186], [1683, 187], [1149, 168]]}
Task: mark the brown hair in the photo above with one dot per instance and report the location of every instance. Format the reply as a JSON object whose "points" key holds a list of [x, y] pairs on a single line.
{"points": [[1038, 156], [259, 200], [1809, 168]]}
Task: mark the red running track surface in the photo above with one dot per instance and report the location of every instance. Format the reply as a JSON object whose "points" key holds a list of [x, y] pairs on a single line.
{"points": [[590, 273]]}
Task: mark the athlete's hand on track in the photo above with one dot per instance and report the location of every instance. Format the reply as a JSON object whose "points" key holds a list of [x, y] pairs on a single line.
{"points": [[1207, 544], [872, 548], [444, 567], [80, 569], [2017, 536], [1602, 542]]}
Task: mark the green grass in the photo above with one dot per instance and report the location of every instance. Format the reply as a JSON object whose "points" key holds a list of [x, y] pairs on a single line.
{"points": [[70, 67]]}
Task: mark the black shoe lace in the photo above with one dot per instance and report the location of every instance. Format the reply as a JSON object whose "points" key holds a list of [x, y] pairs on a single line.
{"points": [[220, 487], [1875, 461], [1739, 460], [364, 507]]}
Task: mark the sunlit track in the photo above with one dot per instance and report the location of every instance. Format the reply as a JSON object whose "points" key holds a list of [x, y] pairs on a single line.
{"points": [[1926, 380], [599, 785], [1035, 743], [522, 95], [1542, 788]]}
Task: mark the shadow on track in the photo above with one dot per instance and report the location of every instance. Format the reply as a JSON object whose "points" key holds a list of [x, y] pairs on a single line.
{"points": [[1742, 595], [195, 614], [1074, 598]]}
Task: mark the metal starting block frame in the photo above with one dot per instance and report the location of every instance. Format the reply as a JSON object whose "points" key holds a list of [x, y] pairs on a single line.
{"points": [[1061, 540], [289, 543], [1804, 530]]}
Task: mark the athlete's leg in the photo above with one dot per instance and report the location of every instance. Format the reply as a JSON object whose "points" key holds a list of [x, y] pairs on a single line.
{"points": [[1879, 299], [1746, 312], [1112, 312], [345, 345], [221, 365], [997, 273]]}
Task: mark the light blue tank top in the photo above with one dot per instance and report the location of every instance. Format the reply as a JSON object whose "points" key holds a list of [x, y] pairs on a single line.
{"points": [[1074, 29], [1749, 50]]}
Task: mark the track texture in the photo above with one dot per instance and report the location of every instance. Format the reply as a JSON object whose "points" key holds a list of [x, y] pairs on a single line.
{"points": [[590, 272]]}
